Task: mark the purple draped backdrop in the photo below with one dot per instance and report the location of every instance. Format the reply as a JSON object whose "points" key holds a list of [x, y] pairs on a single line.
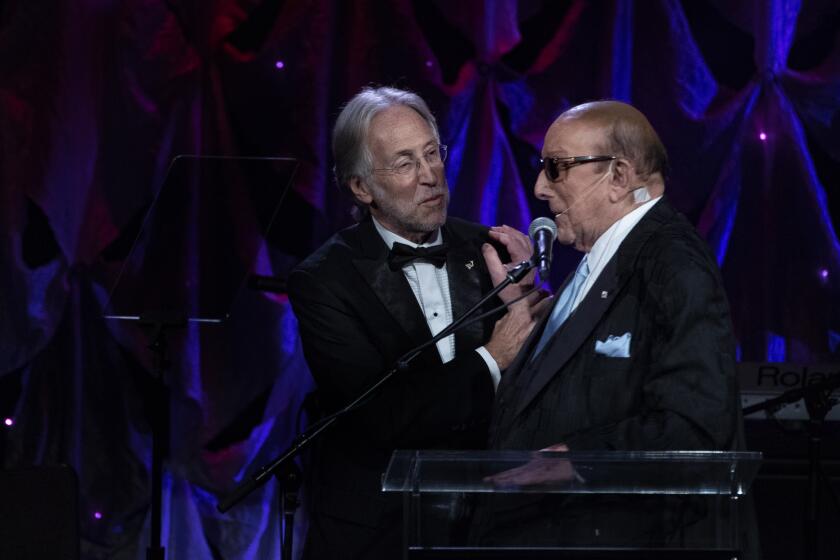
{"points": [[97, 96]]}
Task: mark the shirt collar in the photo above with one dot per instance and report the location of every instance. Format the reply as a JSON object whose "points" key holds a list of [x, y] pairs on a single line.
{"points": [[607, 244], [389, 237]]}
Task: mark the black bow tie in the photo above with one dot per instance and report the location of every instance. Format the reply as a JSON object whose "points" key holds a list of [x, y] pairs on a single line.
{"points": [[401, 254]]}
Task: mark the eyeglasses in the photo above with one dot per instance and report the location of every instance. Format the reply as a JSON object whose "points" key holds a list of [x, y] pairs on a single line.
{"points": [[434, 156], [557, 166]]}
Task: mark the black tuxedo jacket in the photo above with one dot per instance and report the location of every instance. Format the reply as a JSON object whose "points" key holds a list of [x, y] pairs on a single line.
{"points": [[677, 388], [356, 318]]}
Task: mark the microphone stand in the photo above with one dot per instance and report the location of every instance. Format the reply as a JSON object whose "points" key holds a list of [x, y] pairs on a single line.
{"points": [[283, 467]]}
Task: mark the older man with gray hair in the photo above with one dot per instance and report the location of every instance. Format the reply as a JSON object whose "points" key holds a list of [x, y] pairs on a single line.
{"points": [[381, 287]]}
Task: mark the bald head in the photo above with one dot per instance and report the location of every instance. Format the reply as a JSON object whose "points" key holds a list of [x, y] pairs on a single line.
{"points": [[626, 133]]}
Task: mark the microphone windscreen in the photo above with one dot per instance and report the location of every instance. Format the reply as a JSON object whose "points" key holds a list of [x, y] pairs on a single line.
{"points": [[543, 223]]}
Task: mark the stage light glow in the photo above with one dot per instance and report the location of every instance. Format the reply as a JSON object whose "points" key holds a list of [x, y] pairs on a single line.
{"points": [[97, 515], [429, 63], [762, 136], [279, 64], [823, 274], [9, 421]]}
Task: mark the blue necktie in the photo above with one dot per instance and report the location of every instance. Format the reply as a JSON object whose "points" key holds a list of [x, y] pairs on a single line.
{"points": [[563, 308]]}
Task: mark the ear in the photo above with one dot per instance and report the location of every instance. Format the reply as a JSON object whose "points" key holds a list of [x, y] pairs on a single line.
{"points": [[360, 190], [621, 179]]}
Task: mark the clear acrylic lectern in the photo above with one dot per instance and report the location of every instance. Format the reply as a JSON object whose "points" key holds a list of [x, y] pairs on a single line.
{"points": [[520, 504]]}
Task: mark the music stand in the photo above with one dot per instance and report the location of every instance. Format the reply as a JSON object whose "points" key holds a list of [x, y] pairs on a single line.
{"points": [[191, 258]]}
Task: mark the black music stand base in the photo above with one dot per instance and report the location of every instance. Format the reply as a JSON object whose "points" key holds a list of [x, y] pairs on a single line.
{"points": [[288, 482], [818, 404], [158, 412]]}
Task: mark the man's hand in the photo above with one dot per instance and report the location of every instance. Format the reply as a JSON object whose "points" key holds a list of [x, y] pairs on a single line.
{"points": [[513, 329], [557, 448], [517, 243], [519, 247], [539, 470]]}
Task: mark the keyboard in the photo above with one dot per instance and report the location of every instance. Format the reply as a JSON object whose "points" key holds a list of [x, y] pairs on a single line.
{"points": [[760, 381]]}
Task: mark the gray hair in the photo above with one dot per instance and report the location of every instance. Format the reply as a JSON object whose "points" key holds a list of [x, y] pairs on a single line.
{"points": [[350, 136]]}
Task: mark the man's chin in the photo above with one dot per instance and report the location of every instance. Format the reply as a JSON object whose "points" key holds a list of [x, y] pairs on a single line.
{"points": [[428, 226], [434, 220], [565, 238]]}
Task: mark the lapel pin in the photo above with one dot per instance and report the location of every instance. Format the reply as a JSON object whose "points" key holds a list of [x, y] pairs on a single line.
{"points": [[604, 294], [470, 264]]}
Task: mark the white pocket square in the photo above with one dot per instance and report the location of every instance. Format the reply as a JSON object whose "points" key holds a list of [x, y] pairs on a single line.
{"points": [[614, 346]]}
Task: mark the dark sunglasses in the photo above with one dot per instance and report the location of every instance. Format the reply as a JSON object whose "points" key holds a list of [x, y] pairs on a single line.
{"points": [[556, 166]]}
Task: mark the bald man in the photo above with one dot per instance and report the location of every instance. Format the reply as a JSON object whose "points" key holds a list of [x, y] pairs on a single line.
{"points": [[637, 352]]}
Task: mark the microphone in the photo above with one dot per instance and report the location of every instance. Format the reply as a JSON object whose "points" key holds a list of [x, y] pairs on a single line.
{"points": [[543, 232]]}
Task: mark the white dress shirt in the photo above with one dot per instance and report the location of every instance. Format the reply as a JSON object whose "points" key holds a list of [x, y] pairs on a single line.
{"points": [[430, 285], [608, 243]]}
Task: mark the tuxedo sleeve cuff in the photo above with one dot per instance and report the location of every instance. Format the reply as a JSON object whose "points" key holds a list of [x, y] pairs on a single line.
{"points": [[495, 373]]}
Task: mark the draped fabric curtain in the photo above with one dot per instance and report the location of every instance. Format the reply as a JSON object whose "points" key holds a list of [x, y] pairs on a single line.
{"points": [[97, 97]]}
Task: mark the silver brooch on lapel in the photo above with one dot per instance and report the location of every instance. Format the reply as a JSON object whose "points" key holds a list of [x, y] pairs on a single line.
{"points": [[604, 294], [470, 264]]}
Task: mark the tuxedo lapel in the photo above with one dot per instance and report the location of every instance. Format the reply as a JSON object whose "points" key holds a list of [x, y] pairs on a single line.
{"points": [[568, 340], [389, 286], [464, 268], [577, 328], [521, 360]]}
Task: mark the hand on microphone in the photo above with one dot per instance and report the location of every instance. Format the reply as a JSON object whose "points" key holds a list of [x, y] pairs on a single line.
{"points": [[511, 331], [519, 248]]}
